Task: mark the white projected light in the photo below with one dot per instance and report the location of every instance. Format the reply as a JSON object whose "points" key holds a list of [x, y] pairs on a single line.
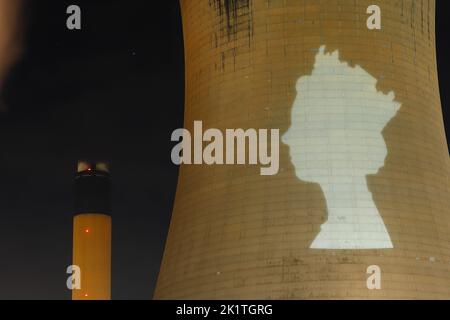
{"points": [[336, 140]]}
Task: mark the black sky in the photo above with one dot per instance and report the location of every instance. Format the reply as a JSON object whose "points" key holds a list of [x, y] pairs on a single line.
{"points": [[112, 91]]}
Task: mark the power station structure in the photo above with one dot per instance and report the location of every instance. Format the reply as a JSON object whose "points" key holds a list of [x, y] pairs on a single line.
{"points": [[360, 207], [92, 231]]}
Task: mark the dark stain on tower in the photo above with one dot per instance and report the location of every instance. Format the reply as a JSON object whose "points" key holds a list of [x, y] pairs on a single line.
{"points": [[234, 22], [235, 16]]}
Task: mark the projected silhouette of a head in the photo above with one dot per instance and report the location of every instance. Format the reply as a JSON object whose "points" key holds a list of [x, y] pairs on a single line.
{"points": [[336, 140]]}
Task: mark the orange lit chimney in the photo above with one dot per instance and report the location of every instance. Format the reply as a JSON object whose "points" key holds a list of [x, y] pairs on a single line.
{"points": [[92, 231]]}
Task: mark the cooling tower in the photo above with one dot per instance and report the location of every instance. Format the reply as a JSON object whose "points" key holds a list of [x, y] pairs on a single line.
{"points": [[92, 231], [364, 171]]}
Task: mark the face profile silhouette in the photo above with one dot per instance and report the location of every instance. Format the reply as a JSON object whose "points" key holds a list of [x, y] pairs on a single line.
{"points": [[336, 140]]}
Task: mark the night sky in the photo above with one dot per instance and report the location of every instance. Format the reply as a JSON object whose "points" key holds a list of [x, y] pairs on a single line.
{"points": [[113, 91]]}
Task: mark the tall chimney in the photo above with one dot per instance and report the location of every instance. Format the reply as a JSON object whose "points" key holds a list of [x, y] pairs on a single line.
{"points": [[92, 231]]}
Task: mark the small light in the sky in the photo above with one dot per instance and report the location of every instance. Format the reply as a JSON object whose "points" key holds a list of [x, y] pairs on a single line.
{"points": [[87, 230]]}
